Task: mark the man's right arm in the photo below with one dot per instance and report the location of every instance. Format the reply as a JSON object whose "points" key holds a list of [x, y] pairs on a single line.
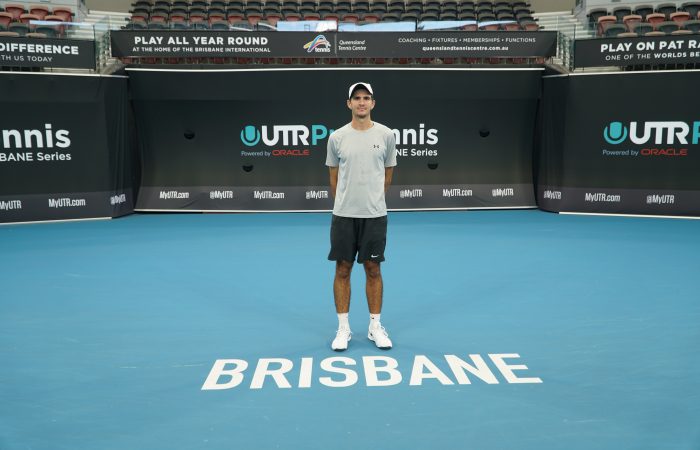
{"points": [[334, 179]]}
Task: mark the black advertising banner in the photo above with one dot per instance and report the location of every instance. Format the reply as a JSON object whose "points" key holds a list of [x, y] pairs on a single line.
{"points": [[247, 140], [620, 143], [65, 151], [446, 44], [676, 49], [33, 52], [207, 43]]}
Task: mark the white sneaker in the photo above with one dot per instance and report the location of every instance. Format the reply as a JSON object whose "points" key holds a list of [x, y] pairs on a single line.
{"points": [[380, 337], [342, 337]]}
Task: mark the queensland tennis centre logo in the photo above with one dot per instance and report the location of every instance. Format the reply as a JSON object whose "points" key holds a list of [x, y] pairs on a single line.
{"points": [[657, 138], [318, 45], [282, 140]]}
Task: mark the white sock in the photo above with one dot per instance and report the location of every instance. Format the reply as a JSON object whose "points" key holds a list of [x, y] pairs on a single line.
{"points": [[374, 320], [343, 321]]}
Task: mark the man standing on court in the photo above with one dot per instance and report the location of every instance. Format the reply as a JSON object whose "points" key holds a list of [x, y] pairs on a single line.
{"points": [[361, 158]]}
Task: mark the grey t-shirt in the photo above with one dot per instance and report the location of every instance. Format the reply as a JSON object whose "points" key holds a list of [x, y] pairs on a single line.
{"points": [[361, 157]]}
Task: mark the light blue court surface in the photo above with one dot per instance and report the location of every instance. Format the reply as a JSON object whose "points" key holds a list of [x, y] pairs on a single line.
{"points": [[108, 331]]}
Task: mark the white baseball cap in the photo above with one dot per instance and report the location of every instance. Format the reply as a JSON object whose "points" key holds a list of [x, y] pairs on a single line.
{"points": [[361, 84]]}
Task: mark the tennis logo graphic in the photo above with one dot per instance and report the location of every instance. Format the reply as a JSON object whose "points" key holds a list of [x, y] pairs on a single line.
{"points": [[615, 133], [293, 135], [668, 133], [319, 45]]}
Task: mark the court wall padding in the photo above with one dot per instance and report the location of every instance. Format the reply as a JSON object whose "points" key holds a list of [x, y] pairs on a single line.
{"points": [[619, 143], [255, 140], [66, 152]]}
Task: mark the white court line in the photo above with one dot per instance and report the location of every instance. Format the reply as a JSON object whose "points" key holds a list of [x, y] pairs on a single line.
{"points": [[629, 215], [56, 221]]}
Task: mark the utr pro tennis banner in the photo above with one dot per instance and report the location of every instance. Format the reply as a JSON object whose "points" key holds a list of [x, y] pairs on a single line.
{"points": [[249, 140], [65, 150], [620, 143]]}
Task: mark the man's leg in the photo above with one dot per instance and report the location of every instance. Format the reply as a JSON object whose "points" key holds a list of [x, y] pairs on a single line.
{"points": [[341, 286], [374, 287], [375, 290], [341, 293]]}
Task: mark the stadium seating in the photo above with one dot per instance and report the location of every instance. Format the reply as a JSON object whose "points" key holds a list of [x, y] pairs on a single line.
{"points": [[256, 15], [19, 19], [509, 15], [664, 19]]}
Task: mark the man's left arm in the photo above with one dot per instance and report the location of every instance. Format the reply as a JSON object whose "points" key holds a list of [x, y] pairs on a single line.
{"points": [[389, 161], [388, 173]]}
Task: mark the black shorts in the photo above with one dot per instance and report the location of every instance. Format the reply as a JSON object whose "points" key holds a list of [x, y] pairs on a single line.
{"points": [[352, 236]]}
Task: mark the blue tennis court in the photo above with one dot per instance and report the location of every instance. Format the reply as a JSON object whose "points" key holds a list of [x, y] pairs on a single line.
{"points": [[511, 329]]}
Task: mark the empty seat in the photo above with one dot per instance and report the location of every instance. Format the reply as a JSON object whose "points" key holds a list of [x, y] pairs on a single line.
{"points": [[371, 17], [621, 11], [630, 20], [254, 17], [642, 28], [243, 25], [350, 17], [64, 13], [680, 17], [52, 32], [137, 25], [197, 18], [488, 26], [643, 10], [692, 25], [8, 34], [395, 6], [272, 18], [595, 14], [235, 17], [5, 18], [615, 29], [530, 26], [311, 16], [265, 25], [18, 27], [219, 25], [15, 10], [604, 22], [666, 9], [158, 18], [390, 17], [627, 34], [692, 8], [39, 10], [655, 18], [667, 27], [330, 16], [361, 6], [681, 32]]}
